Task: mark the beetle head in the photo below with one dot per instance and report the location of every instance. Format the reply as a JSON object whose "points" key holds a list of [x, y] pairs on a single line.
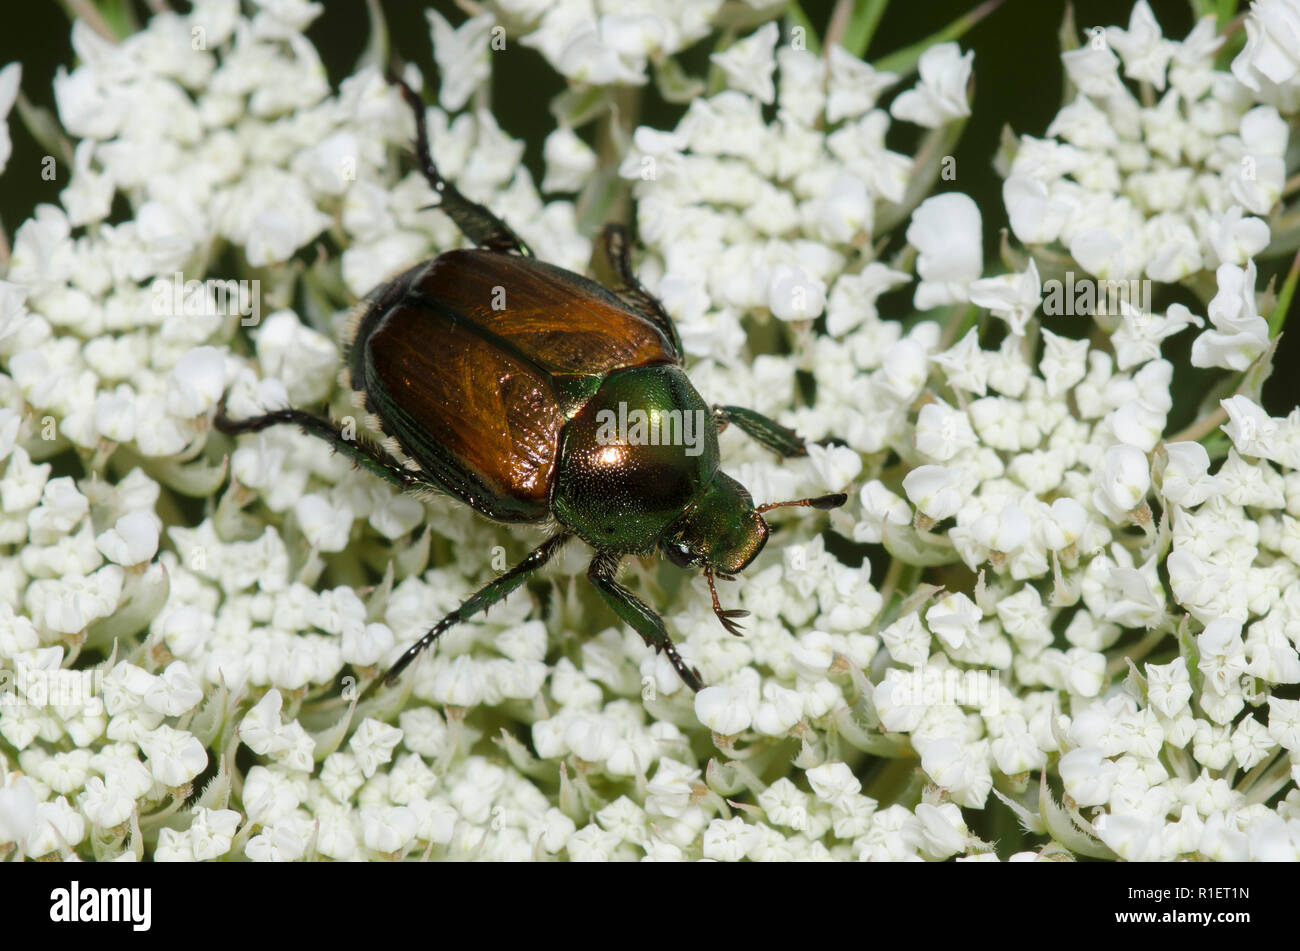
{"points": [[722, 532]]}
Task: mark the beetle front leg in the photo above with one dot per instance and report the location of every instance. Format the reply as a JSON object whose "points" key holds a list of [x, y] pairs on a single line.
{"points": [[768, 433], [476, 222], [480, 600], [363, 453], [636, 613]]}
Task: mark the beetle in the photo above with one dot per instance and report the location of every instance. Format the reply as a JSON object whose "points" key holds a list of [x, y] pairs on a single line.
{"points": [[508, 383]]}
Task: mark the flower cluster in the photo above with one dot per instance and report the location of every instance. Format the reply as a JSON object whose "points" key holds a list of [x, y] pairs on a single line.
{"points": [[1065, 610]]}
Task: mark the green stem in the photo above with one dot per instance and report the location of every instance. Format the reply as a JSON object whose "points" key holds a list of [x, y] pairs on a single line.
{"points": [[85, 10], [799, 20], [904, 61], [862, 27], [1279, 315]]}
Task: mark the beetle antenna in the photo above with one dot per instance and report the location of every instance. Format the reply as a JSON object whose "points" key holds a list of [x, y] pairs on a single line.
{"points": [[823, 502], [726, 617]]}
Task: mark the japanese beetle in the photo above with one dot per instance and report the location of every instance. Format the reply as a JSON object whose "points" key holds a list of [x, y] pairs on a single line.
{"points": [[510, 384]]}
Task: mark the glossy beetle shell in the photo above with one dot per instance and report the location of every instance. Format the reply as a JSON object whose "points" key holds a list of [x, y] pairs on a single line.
{"points": [[474, 362]]}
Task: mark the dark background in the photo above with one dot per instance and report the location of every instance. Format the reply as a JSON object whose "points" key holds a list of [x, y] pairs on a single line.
{"points": [[1018, 82]]}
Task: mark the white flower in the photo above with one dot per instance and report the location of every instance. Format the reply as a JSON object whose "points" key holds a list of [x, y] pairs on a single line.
{"points": [[1143, 49], [854, 85], [941, 433], [749, 63], [17, 809], [1186, 480], [462, 54], [132, 540], [213, 831], [261, 729], [1004, 531], [1093, 68], [778, 711], [10, 77], [1231, 238], [1133, 838], [282, 841], [591, 739], [945, 231], [1013, 297], [1088, 777], [1125, 478], [845, 210], [196, 383], [373, 744], [1252, 431], [853, 297], [934, 490], [943, 831], [569, 38], [569, 161], [836, 466], [387, 829], [1223, 657], [1284, 722], [723, 710], [300, 357], [460, 683], [1037, 217], [175, 757], [1239, 334], [56, 826], [1272, 31], [793, 294], [105, 807], [954, 619], [325, 526], [940, 96]]}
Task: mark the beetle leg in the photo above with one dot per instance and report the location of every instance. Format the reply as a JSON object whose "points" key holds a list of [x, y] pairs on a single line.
{"points": [[480, 600], [614, 246], [476, 222], [768, 433], [361, 451], [636, 613]]}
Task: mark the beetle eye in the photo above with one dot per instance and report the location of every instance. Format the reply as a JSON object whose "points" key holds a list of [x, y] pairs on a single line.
{"points": [[679, 555]]}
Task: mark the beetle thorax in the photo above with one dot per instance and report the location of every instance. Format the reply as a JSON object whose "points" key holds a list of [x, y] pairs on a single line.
{"points": [[634, 459]]}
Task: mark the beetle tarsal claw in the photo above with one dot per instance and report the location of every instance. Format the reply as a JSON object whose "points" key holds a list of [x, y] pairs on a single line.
{"points": [[727, 618]]}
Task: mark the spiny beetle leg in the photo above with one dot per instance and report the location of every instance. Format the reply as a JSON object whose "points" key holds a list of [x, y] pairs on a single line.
{"points": [[362, 452], [614, 245], [643, 620], [480, 600], [768, 433], [477, 223]]}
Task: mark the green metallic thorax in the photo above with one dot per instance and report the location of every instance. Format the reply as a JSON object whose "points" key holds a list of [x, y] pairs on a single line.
{"points": [[634, 459]]}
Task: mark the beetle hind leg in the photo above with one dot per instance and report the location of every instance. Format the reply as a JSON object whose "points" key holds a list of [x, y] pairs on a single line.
{"points": [[475, 221], [364, 453], [614, 266], [636, 613], [480, 600]]}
